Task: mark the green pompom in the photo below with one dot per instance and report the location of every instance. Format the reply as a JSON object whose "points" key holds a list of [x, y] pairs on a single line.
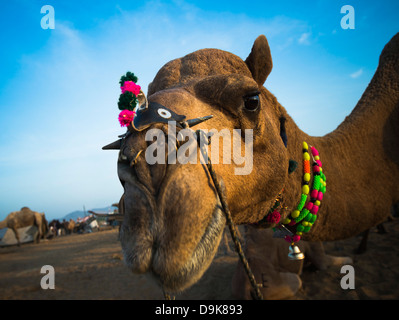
{"points": [[128, 77], [127, 101]]}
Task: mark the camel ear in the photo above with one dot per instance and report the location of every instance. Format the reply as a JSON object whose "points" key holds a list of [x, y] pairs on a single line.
{"points": [[259, 60]]}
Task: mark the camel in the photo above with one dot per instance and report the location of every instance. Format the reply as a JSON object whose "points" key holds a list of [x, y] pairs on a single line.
{"points": [[24, 218], [70, 226], [173, 215]]}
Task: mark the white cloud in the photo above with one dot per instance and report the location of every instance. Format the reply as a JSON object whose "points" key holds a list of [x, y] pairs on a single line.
{"points": [[356, 74], [304, 38]]}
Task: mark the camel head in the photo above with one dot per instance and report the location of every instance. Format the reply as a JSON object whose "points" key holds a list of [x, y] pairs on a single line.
{"points": [[173, 221]]}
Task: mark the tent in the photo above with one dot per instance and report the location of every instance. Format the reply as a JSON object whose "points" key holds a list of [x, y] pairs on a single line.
{"points": [[26, 234]]}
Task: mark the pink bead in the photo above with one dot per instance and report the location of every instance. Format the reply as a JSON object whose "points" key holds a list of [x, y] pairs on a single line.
{"points": [[288, 239], [320, 196], [314, 194], [319, 163], [292, 223], [296, 238], [309, 206], [314, 209], [314, 151], [316, 169]]}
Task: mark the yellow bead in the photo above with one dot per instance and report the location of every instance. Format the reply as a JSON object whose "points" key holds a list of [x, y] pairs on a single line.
{"points": [[316, 157], [317, 203], [306, 177], [304, 145], [299, 233], [295, 213], [305, 223], [305, 189], [286, 221], [306, 156]]}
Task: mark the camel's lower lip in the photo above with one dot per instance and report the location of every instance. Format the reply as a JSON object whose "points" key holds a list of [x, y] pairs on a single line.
{"points": [[176, 280]]}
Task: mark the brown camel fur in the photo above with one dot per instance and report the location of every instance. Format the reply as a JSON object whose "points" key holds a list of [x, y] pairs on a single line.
{"points": [[173, 222], [25, 218]]}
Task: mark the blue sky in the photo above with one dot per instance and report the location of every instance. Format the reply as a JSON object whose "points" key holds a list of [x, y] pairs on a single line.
{"points": [[59, 88]]}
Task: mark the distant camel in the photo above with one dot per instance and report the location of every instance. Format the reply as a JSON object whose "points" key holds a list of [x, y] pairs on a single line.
{"points": [[25, 218], [70, 226]]}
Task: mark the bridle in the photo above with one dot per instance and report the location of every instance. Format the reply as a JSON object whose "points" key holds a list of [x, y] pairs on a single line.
{"points": [[151, 113]]}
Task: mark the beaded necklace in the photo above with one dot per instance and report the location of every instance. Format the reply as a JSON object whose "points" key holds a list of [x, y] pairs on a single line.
{"points": [[304, 215]]}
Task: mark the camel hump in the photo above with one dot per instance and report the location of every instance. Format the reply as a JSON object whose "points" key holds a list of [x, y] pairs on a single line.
{"points": [[391, 50]]}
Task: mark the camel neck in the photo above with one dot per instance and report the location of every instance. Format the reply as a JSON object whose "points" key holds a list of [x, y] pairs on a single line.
{"points": [[360, 160]]}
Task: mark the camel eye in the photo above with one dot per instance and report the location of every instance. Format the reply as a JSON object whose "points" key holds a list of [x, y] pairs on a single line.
{"points": [[252, 102]]}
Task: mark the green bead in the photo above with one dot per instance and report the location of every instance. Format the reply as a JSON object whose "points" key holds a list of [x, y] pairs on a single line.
{"points": [[300, 228], [316, 182], [301, 204], [302, 215], [313, 218], [306, 229]]}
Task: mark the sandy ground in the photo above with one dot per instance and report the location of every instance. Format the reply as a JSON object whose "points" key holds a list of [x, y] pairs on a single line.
{"points": [[90, 266]]}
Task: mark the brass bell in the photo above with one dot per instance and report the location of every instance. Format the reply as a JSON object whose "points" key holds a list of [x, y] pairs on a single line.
{"points": [[295, 253]]}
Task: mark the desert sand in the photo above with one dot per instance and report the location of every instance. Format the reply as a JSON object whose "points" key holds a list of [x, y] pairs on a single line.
{"points": [[89, 266]]}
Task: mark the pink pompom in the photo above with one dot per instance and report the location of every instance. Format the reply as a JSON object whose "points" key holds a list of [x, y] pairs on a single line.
{"points": [[314, 151], [126, 117], [309, 206], [314, 193], [316, 169], [320, 196], [273, 217], [314, 209], [319, 163], [296, 238], [131, 87], [292, 223]]}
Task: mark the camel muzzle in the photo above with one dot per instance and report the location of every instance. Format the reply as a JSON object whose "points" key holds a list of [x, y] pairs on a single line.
{"points": [[154, 113]]}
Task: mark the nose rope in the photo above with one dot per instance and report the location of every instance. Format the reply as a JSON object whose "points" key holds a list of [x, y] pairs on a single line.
{"points": [[232, 227]]}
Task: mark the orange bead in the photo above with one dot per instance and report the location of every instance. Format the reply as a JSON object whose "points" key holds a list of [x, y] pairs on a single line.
{"points": [[306, 166]]}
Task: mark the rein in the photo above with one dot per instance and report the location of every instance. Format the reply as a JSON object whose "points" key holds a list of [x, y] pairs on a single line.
{"points": [[233, 230]]}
